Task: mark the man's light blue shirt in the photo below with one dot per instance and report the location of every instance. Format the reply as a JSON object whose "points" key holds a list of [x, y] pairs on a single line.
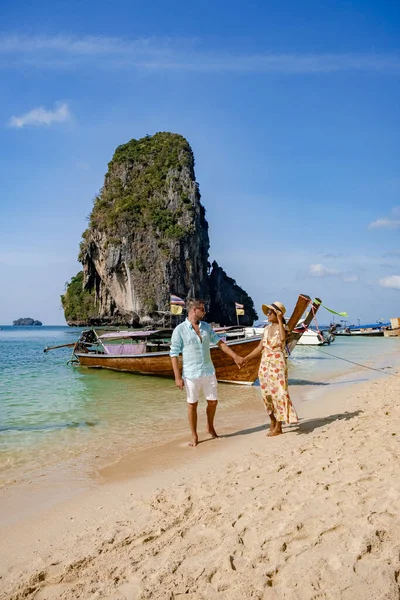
{"points": [[195, 352]]}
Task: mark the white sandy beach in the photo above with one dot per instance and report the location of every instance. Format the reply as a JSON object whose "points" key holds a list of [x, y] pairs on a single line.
{"points": [[312, 514]]}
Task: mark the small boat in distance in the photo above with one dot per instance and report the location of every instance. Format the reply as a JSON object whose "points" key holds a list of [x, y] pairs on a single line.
{"points": [[310, 336], [369, 330]]}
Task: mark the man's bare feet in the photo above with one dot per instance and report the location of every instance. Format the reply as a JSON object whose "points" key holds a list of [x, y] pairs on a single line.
{"points": [[194, 442], [213, 433]]}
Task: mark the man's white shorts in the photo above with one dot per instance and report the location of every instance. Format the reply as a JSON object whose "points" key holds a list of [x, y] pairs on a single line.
{"points": [[208, 384]]}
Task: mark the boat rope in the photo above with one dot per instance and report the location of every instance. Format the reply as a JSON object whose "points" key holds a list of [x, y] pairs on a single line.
{"points": [[319, 332], [305, 328], [346, 359], [315, 318], [359, 364]]}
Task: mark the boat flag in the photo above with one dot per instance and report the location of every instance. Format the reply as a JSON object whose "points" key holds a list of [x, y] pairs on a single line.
{"points": [[176, 300], [341, 314], [239, 309], [176, 309]]}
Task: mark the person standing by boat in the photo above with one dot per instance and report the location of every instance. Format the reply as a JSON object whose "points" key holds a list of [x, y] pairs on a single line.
{"points": [[273, 372], [192, 339]]}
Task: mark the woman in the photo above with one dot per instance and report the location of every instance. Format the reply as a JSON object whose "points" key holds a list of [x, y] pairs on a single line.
{"points": [[273, 374]]}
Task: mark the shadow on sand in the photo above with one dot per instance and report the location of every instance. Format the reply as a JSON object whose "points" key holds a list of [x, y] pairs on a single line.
{"points": [[307, 382], [245, 431], [307, 426]]}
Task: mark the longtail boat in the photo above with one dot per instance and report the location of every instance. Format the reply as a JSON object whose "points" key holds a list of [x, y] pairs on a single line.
{"points": [[147, 352]]}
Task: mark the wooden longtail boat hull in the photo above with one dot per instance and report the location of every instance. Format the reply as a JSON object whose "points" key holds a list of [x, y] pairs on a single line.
{"points": [[159, 363], [302, 303]]}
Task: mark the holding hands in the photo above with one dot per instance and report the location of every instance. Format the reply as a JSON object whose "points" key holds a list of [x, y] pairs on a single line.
{"points": [[239, 360]]}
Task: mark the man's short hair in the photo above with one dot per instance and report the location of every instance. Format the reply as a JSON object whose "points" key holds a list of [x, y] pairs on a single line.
{"points": [[195, 303]]}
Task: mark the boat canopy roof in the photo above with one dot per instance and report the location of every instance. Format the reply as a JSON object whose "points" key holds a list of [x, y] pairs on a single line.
{"points": [[119, 335]]}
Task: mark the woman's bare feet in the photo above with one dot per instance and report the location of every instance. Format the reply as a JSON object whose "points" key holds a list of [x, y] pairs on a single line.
{"points": [[272, 426], [194, 442], [277, 430]]}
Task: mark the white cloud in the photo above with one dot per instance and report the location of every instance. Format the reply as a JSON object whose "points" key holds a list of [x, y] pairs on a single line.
{"points": [[385, 223], [392, 222], [319, 270], [40, 116], [392, 281], [174, 54]]}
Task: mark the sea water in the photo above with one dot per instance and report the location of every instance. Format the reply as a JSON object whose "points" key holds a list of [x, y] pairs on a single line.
{"points": [[52, 412]]}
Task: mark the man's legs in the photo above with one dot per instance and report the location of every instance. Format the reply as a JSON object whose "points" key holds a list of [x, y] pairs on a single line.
{"points": [[192, 415], [211, 408], [211, 394], [193, 387]]}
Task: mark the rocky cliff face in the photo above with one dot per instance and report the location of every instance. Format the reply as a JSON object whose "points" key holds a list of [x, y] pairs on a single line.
{"points": [[224, 292], [147, 238]]}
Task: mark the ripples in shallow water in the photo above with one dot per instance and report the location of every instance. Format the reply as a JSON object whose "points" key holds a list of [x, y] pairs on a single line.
{"points": [[50, 411]]}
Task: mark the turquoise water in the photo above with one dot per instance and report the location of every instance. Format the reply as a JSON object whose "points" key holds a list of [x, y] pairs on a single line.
{"points": [[51, 412]]}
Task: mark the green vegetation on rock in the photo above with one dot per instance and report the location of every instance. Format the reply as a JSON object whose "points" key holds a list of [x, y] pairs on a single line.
{"points": [[143, 174], [78, 303], [163, 150]]}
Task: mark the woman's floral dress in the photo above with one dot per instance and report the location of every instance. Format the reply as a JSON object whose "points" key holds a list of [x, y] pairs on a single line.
{"points": [[273, 376]]}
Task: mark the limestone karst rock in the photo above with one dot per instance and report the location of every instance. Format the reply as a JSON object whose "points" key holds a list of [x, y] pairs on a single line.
{"points": [[147, 238]]}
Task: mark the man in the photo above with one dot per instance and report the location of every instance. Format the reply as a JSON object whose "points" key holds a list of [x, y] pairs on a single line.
{"points": [[192, 338]]}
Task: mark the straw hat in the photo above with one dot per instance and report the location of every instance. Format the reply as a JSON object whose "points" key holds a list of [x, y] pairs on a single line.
{"points": [[275, 306]]}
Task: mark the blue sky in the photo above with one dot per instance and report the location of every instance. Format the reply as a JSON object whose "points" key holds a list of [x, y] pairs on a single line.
{"points": [[292, 111]]}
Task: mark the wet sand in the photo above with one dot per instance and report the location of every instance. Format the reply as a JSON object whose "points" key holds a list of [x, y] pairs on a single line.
{"points": [[240, 412], [310, 514]]}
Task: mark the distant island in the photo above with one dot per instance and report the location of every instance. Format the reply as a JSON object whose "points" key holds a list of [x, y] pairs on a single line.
{"points": [[27, 322]]}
